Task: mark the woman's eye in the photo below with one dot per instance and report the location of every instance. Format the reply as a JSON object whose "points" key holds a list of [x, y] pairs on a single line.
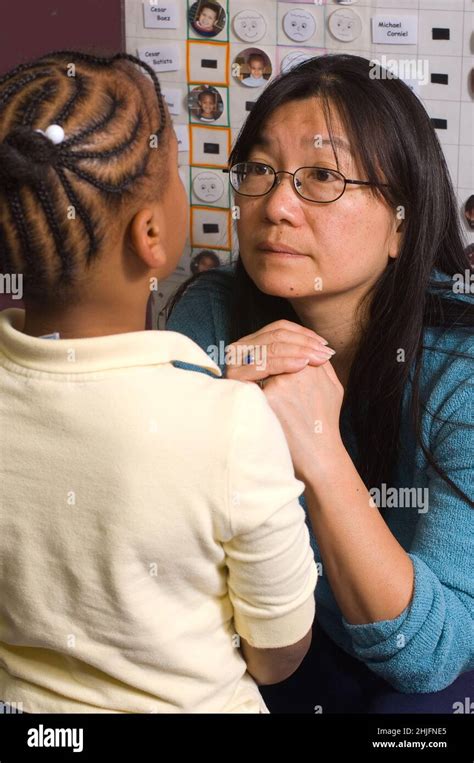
{"points": [[260, 169], [323, 176]]}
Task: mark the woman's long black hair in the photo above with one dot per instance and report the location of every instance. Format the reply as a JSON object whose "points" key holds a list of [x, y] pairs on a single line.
{"points": [[391, 133]]}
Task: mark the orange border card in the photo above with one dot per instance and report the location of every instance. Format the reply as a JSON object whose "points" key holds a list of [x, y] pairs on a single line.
{"points": [[191, 80], [192, 129], [212, 211]]}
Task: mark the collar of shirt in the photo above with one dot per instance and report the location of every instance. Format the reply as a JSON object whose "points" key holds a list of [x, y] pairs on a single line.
{"points": [[137, 348]]}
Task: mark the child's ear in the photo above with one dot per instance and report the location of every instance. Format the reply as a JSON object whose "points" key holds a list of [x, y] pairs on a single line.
{"points": [[146, 237]]}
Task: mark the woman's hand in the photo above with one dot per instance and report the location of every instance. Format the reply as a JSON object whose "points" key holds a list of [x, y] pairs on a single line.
{"points": [[282, 347], [308, 405]]}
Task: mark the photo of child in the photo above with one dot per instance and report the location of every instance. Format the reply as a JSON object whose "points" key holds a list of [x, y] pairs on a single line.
{"points": [[252, 67], [207, 18], [469, 252], [469, 211], [204, 260], [205, 103], [208, 107]]}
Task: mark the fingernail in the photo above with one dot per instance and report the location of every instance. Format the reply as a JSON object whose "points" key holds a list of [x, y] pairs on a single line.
{"points": [[317, 356], [322, 348], [326, 351]]}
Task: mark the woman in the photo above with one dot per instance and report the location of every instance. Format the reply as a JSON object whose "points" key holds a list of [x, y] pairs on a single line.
{"points": [[98, 611], [349, 235]]}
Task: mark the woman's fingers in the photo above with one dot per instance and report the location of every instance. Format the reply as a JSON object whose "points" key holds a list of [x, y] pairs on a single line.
{"points": [[278, 348], [285, 336], [284, 325], [279, 359], [273, 366], [278, 342]]}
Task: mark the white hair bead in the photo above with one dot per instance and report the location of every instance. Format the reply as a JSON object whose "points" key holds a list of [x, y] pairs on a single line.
{"points": [[55, 133]]}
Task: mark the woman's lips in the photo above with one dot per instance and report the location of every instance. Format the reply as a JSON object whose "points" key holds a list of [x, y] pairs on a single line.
{"points": [[279, 250]]}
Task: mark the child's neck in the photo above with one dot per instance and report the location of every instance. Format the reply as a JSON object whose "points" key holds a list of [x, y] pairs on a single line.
{"points": [[81, 321]]}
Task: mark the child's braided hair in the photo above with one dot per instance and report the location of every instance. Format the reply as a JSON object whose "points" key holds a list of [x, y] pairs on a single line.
{"points": [[109, 120]]}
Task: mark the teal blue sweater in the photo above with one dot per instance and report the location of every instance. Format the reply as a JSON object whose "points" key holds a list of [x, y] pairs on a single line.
{"points": [[431, 642]]}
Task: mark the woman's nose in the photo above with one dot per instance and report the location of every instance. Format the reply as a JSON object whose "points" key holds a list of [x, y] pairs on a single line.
{"points": [[283, 202]]}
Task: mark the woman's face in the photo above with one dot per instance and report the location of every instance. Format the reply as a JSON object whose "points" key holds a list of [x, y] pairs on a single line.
{"points": [[342, 246]]}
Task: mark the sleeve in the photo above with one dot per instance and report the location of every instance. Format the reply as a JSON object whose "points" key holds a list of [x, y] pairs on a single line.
{"points": [[431, 642], [202, 314], [271, 570]]}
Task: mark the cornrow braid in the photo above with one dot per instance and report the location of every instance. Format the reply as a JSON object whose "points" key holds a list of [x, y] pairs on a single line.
{"points": [[16, 87], [43, 183], [94, 241], [9, 264], [74, 101], [31, 106], [23, 67], [48, 208], [100, 184], [92, 129], [33, 263], [107, 154], [94, 60]]}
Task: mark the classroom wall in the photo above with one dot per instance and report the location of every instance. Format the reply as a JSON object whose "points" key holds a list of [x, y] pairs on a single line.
{"points": [[29, 29], [437, 33]]}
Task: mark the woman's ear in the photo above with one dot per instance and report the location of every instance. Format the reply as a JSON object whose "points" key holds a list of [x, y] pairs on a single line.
{"points": [[398, 231], [146, 237]]}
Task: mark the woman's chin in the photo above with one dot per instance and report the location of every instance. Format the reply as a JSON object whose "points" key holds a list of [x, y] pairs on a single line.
{"points": [[279, 278], [277, 285]]}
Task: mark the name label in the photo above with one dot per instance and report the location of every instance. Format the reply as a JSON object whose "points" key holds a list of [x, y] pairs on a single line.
{"points": [[395, 30]]}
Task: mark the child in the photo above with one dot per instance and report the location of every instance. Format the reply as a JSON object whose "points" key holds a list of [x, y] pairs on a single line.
{"points": [[207, 107], [256, 63], [469, 211], [205, 23], [150, 533], [204, 260]]}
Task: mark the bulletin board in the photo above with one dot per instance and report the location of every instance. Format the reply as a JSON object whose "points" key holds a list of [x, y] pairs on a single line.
{"points": [[214, 59]]}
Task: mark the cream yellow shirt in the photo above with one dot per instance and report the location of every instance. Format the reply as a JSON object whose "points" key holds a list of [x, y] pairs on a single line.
{"points": [[148, 514]]}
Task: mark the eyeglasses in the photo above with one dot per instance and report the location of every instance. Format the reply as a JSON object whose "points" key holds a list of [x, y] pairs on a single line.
{"points": [[317, 184]]}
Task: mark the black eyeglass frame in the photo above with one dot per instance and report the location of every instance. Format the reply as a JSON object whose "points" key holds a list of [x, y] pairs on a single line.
{"points": [[286, 172]]}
